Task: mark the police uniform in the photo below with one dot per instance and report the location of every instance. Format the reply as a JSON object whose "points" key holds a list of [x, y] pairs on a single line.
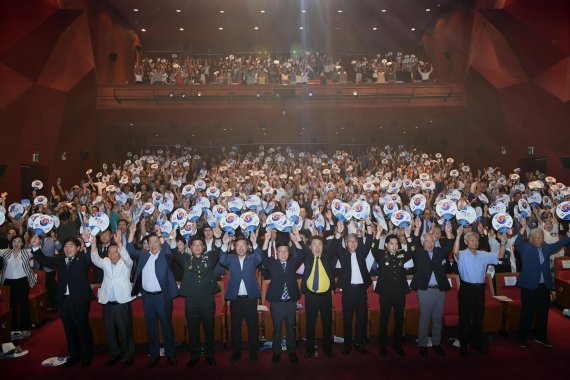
{"points": [[198, 286], [392, 287]]}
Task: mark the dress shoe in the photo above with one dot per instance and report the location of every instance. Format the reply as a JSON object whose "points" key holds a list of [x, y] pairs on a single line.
{"points": [[172, 361], [463, 352], [293, 358], [112, 362], [482, 348], [423, 351], [254, 356], [328, 353], [211, 361], [383, 351], [129, 363], [193, 361], [438, 350], [275, 358], [70, 363], [235, 357], [399, 350], [545, 342], [346, 350], [152, 362], [361, 348], [85, 363], [309, 354]]}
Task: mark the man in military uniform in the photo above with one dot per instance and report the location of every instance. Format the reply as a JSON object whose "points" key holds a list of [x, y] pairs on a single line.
{"points": [[199, 286], [391, 286]]}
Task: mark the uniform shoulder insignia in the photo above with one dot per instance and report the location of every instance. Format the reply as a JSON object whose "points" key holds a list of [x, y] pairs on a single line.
{"points": [[413, 248]]}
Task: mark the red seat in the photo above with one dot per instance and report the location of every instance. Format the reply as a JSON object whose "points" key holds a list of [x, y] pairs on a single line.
{"points": [[451, 310], [562, 281], [5, 314], [412, 313], [38, 299], [506, 286], [492, 320]]}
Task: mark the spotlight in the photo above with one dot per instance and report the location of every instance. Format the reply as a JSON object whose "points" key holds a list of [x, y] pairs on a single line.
{"points": [[310, 94], [183, 96], [171, 95], [355, 93], [199, 94], [258, 95]]}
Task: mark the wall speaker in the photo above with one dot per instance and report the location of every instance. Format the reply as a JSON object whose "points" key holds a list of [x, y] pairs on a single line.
{"points": [[448, 55], [113, 56], [83, 155]]}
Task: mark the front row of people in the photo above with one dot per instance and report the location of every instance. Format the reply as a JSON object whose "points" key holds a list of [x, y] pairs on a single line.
{"points": [[242, 256]]}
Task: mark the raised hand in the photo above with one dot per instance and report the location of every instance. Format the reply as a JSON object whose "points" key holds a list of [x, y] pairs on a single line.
{"points": [[86, 235], [118, 238], [460, 231]]}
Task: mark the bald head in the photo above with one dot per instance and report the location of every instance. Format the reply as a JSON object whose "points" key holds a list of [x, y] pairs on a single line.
{"points": [[428, 242]]}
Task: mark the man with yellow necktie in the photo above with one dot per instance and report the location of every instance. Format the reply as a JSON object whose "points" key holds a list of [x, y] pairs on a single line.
{"points": [[317, 284]]}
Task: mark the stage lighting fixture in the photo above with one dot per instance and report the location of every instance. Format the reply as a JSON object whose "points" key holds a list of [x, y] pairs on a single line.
{"points": [[310, 94], [199, 94], [355, 93], [258, 95], [171, 95], [183, 96]]}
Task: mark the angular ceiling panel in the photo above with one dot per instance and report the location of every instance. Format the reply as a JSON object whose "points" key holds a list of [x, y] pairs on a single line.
{"points": [[556, 80], [13, 85]]}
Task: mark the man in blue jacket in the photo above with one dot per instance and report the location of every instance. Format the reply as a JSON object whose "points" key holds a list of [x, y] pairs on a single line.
{"points": [[535, 281], [243, 291]]}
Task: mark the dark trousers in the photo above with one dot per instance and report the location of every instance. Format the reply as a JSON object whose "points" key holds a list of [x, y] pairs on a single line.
{"points": [[118, 320], [158, 307], [389, 301], [75, 318], [19, 293], [284, 312], [244, 308], [51, 287], [200, 310], [534, 302], [471, 300], [354, 300], [315, 303]]}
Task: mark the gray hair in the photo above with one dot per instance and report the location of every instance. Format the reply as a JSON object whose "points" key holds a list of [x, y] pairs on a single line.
{"points": [[468, 234], [535, 231]]}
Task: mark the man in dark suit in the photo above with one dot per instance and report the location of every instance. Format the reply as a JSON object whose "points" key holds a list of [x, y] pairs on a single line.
{"points": [[354, 281], [154, 279], [74, 296], [243, 292], [535, 281], [198, 286], [283, 294], [430, 282], [317, 284]]}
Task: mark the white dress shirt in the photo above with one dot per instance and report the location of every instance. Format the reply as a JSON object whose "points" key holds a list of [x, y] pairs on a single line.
{"points": [[242, 289], [356, 276], [15, 267], [116, 285], [149, 280]]}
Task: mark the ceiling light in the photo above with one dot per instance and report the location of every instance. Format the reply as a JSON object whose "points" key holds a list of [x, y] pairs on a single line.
{"points": [[171, 95], [135, 10], [300, 28], [339, 11], [355, 92], [258, 95], [262, 11], [427, 9], [383, 10], [156, 135], [374, 28], [181, 29], [413, 29], [143, 30], [221, 11], [178, 10], [220, 28], [256, 27], [199, 94], [310, 93], [183, 96], [303, 11], [131, 124]]}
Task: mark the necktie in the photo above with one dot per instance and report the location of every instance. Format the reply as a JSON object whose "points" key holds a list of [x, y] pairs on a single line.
{"points": [[316, 275], [67, 262], [430, 255], [285, 294], [540, 256], [273, 251]]}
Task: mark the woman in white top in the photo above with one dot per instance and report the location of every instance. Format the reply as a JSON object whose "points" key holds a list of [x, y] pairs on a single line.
{"points": [[20, 277]]}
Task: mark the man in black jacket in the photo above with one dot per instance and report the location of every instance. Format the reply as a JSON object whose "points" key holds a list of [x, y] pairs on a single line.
{"points": [[74, 296], [430, 282]]}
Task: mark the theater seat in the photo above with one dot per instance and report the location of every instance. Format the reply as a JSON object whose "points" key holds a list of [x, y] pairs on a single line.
{"points": [[96, 321], [506, 286], [38, 299], [412, 312], [5, 314], [562, 281], [492, 320], [451, 310]]}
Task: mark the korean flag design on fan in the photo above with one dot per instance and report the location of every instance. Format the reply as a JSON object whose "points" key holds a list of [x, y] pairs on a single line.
{"points": [[148, 209], [213, 192], [194, 213], [37, 185], [401, 218], [40, 200], [502, 222], [368, 187], [563, 210], [319, 222], [293, 211], [211, 219], [178, 218], [235, 204], [165, 227], [418, 204], [389, 208], [187, 230], [249, 221], [230, 223], [98, 222], [188, 191], [524, 208], [200, 185], [203, 203], [16, 210], [43, 224], [219, 212], [252, 202], [497, 208], [275, 219], [466, 216], [534, 199], [446, 208], [166, 206], [361, 210]]}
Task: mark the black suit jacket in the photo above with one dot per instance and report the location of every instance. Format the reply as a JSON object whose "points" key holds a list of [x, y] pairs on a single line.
{"points": [[344, 257], [75, 277], [280, 277], [425, 266], [328, 261], [199, 278]]}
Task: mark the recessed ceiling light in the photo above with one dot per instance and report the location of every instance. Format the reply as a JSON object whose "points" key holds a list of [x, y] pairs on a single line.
{"points": [[221, 11], [374, 28], [156, 135], [143, 30], [262, 11], [135, 10], [413, 29], [256, 27], [339, 11], [220, 28], [178, 10], [427, 9], [303, 11], [131, 124], [383, 10], [300, 28], [181, 29]]}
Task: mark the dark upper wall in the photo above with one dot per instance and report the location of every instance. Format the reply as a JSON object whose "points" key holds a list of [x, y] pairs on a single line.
{"points": [[515, 57], [53, 54]]}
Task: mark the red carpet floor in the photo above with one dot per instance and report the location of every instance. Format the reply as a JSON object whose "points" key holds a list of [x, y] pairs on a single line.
{"points": [[505, 361]]}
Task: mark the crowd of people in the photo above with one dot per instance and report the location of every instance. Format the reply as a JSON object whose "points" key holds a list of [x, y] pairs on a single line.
{"points": [[261, 69], [321, 220]]}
